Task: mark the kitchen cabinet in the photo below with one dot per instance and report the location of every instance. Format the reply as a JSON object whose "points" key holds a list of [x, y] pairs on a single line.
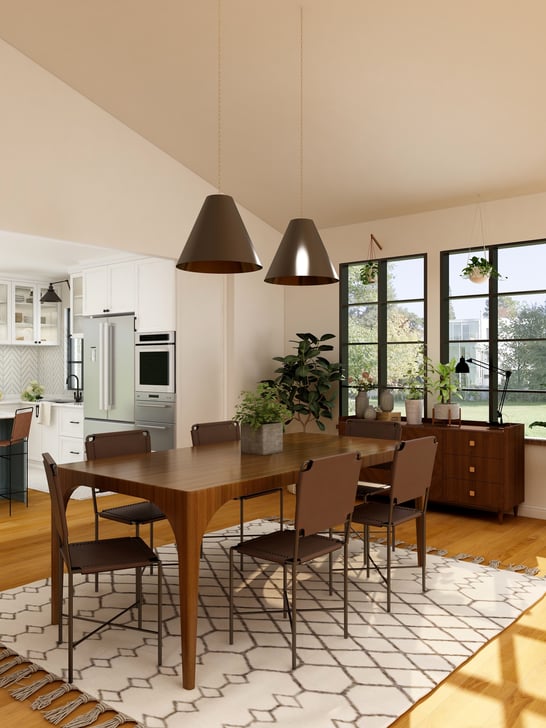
{"points": [[24, 319], [5, 309], [109, 289], [477, 466], [71, 442], [61, 435], [156, 295]]}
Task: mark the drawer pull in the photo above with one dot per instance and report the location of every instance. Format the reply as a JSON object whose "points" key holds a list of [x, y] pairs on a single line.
{"points": [[74, 452], [74, 422], [471, 469], [472, 493], [472, 443]]}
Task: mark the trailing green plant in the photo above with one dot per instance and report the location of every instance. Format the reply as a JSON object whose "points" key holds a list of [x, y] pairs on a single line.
{"points": [[369, 272], [480, 266], [305, 380], [445, 383], [261, 407]]}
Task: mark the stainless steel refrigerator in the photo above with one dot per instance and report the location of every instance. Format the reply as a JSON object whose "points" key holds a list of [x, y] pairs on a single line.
{"points": [[109, 370]]}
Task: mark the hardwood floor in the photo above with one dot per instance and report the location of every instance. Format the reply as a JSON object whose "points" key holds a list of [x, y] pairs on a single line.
{"points": [[500, 687]]}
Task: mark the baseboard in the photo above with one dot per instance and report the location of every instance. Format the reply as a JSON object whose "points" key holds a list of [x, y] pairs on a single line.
{"points": [[532, 512]]}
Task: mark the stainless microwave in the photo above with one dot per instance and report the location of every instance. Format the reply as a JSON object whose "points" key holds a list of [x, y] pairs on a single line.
{"points": [[155, 369]]}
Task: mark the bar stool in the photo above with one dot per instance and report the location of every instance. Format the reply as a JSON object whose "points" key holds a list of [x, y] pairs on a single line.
{"points": [[17, 446]]}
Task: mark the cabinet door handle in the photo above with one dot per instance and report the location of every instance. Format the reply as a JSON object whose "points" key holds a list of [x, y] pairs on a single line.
{"points": [[471, 469], [471, 443], [472, 493]]}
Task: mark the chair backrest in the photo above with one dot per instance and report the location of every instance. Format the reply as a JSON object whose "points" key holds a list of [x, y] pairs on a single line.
{"points": [[110, 444], [209, 433], [58, 511], [326, 492], [21, 424], [412, 469], [384, 429]]}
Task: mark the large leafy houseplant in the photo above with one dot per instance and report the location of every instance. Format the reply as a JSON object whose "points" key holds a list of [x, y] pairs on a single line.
{"points": [[305, 379], [444, 382]]}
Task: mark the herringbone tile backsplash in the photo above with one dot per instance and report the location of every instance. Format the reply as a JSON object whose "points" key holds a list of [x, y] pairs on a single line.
{"points": [[20, 364]]}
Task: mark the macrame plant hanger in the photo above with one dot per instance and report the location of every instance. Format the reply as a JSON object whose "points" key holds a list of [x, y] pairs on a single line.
{"points": [[370, 269]]}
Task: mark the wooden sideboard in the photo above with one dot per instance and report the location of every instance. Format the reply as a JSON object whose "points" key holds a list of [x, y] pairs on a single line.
{"points": [[477, 466]]}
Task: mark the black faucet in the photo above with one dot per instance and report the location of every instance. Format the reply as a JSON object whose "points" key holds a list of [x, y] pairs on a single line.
{"points": [[78, 393]]}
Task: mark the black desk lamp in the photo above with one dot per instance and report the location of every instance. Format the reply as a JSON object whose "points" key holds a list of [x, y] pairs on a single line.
{"points": [[462, 368]]}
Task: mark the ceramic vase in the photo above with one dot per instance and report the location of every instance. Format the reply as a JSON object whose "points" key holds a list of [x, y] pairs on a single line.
{"points": [[414, 411], [361, 404], [386, 401]]}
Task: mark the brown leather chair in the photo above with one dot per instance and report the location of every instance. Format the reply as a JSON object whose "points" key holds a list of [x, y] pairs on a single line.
{"points": [[209, 433], [408, 499], [95, 557], [125, 442], [17, 446], [385, 430], [319, 508]]}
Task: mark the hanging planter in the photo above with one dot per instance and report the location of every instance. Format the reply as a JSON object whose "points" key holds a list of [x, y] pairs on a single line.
{"points": [[369, 272], [370, 269], [479, 270]]}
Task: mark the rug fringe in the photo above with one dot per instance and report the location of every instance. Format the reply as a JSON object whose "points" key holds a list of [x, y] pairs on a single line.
{"points": [[86, 719], [13, 677], [26, 691], [56, 715], [45, 701]]}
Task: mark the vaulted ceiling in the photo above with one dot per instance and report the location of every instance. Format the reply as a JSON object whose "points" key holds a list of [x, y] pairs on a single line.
{"points": [[407, 106]]}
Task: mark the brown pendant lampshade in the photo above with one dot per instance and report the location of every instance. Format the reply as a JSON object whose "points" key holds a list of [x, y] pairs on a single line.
{"points": [[219, 242], [301, 259]]}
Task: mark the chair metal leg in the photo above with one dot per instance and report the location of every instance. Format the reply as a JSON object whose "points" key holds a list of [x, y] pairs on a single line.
{"points": [[138, 579], [423, 554], [389, 537], [70, 626], [159, 614], [346, 583], [241, 527], [294, 612], [230, 596]]}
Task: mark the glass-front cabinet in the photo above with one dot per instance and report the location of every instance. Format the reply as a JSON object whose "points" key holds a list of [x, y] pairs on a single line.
{"points": [[34, 322], [5, 290]]}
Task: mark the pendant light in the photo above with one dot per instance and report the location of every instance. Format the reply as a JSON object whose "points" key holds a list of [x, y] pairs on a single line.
{"points": [[219, 241], [51, 295], [301, 259]]}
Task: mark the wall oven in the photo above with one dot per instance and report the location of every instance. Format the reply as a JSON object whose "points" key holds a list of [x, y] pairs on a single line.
{"points": [[155, 369]]}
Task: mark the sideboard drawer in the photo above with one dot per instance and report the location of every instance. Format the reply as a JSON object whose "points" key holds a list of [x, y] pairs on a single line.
{"points": [[479, 494], [469, 467]]}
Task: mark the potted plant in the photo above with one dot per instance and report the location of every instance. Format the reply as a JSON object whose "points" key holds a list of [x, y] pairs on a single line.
{"points": [[261, 415], [32, 392], [445, 384], [304, 381], [364, 383], [479, 269], [369, 272], [416, 386]]}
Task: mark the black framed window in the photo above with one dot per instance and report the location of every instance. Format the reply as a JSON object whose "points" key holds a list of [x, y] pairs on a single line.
{"points": [[382, 326], [501, 323]]}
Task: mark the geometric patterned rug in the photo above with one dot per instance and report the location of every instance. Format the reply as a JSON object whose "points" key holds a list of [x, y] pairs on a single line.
{"points": [[389, 661]]}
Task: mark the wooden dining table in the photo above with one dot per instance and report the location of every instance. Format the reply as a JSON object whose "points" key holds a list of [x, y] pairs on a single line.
{"points": [[190, 484]]}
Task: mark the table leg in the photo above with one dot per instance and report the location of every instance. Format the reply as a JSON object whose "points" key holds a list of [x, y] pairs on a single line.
{"points": [[188, 534]]}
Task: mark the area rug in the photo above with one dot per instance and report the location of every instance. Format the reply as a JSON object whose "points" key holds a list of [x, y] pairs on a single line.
{"points": [[390, 660]]}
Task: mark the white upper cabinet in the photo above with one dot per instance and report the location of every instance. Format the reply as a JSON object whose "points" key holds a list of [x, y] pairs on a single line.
{"points": [[156, 295], [5, 312], [33, 322], [109, 289]]}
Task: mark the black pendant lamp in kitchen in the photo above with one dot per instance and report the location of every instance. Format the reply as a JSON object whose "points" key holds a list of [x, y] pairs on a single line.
{"points": [[219, 241]]}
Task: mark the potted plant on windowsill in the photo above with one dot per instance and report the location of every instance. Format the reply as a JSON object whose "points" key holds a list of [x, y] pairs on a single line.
{"points": [[479, 269], [445, 385], [416, 385], [261, 415]]}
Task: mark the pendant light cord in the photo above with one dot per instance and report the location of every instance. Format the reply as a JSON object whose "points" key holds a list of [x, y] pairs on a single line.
{"points": [[301, 111], [219, 96]]}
